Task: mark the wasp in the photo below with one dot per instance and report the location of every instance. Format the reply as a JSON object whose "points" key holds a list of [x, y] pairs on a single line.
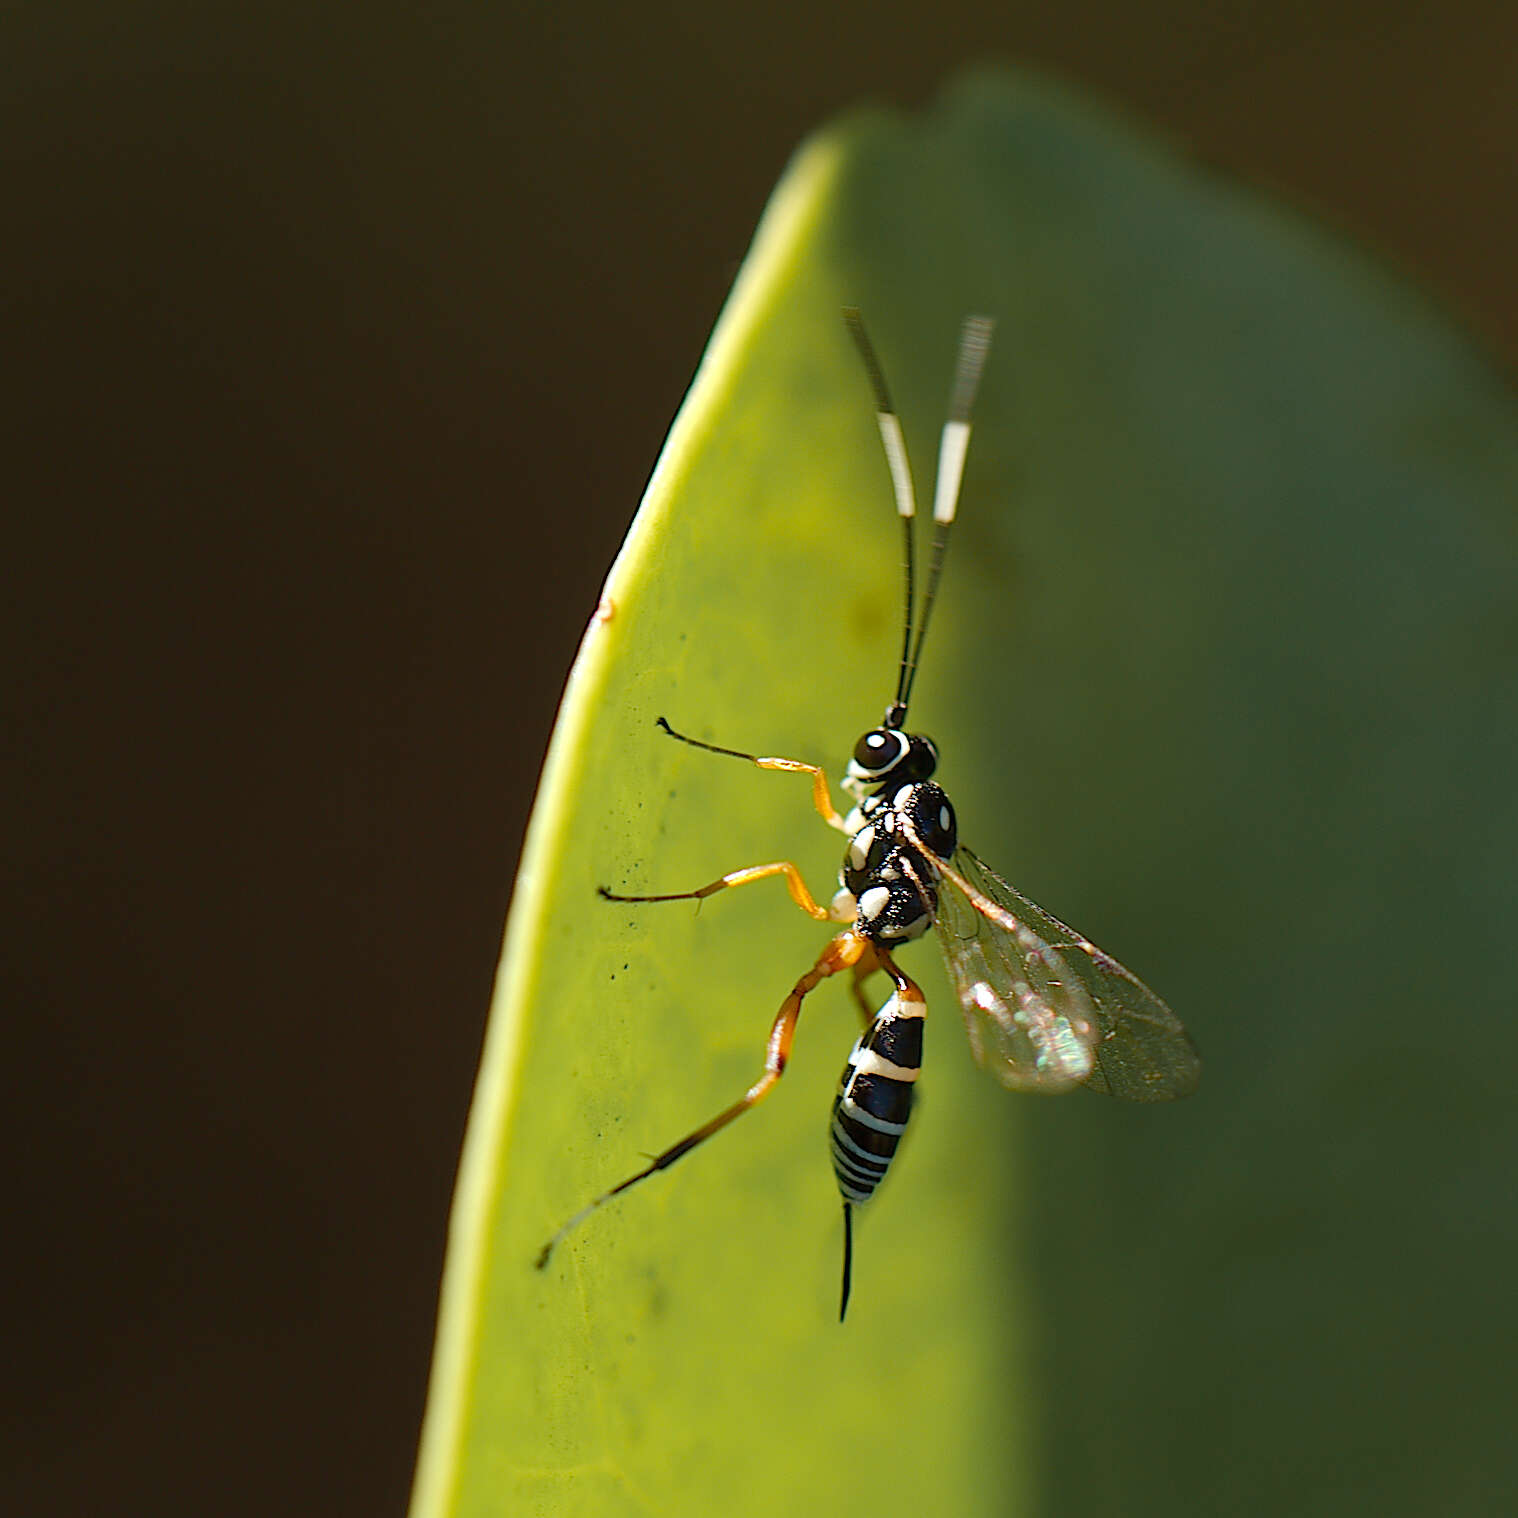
{"points": [[1044, 1008]]}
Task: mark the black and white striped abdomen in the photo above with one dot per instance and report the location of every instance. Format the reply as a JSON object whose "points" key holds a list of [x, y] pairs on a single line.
{"points": [[874, 1097]]}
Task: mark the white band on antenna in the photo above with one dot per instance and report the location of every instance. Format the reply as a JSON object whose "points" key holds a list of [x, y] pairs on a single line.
{"points": [[951, 468], [896, 457]]}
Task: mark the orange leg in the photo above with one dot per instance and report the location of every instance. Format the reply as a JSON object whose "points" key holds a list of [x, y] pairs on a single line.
{"points": [[821, 797], [793, 881], [842, 953]]}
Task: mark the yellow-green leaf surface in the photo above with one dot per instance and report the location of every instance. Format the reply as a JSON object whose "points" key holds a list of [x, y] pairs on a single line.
{"points": [[1224, 672]]}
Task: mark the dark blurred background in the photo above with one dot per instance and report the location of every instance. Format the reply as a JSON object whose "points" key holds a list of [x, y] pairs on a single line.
{"points": [[338, 343]]}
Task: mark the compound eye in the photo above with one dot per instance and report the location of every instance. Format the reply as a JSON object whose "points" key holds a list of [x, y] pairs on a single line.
{"points": [[878, 750]]}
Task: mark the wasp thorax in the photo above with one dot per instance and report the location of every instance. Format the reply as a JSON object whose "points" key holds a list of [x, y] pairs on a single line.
{"points": [[930, 816]]}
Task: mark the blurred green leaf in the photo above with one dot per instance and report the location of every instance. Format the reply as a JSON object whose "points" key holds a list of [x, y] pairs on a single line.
{"points": [[1226, 672]]}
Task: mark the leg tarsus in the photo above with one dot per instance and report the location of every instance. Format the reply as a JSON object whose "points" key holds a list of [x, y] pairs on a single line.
{"points": [[711, 748], [821, 797], [842, 953], [746, 876]]}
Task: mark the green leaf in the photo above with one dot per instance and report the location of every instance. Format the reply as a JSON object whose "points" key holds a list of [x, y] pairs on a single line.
{"points": [[1225, 672]]}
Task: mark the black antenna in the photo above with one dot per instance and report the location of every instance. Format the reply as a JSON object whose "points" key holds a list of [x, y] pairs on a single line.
{"points": [[901, 479], [974, 345]]}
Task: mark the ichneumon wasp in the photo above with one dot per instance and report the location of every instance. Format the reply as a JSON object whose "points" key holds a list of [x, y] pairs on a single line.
{"points": [[1044, 1008]]}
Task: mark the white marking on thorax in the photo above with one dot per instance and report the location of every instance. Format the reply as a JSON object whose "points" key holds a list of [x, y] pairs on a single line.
{"points": [[859, 847]]}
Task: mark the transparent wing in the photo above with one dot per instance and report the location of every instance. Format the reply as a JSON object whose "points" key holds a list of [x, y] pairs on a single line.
{"points": [[1044, 1007]]}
